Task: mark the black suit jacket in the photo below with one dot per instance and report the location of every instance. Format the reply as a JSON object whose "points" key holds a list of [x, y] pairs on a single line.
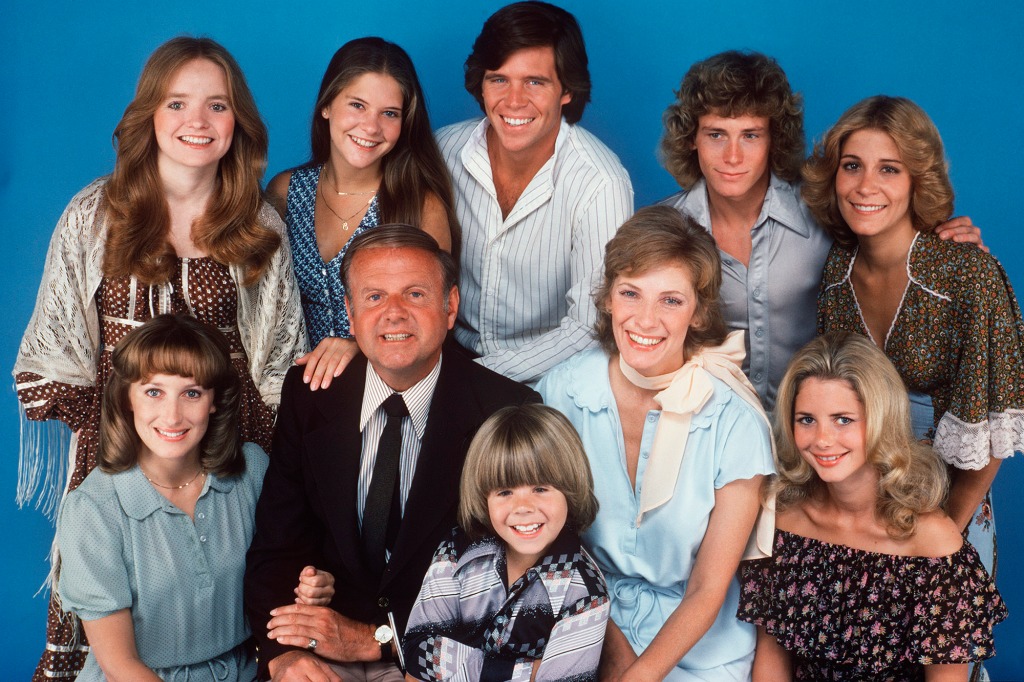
{"points": [[307, 511]]}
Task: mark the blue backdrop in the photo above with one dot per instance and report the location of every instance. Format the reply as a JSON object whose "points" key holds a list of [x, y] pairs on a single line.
{"points": [[70, 68]]}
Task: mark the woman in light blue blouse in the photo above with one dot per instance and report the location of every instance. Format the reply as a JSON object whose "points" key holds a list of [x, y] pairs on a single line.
{"points": [[678, 444], [153, 542]]}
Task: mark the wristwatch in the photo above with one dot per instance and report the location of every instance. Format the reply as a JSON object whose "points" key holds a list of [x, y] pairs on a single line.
{"points": [[383, 635]]}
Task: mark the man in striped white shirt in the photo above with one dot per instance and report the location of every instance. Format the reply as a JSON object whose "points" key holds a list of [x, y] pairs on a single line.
{"points": [[537, 195]]}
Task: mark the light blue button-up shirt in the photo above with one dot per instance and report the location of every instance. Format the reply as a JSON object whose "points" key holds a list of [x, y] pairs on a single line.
{"points": [[123, 545], [775, 298]]}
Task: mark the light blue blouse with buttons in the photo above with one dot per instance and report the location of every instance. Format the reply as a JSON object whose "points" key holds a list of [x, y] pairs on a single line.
{"points": [[647, 567], [124, 546]]}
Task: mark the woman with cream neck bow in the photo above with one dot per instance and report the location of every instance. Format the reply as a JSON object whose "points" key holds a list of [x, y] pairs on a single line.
{"points": [[679, 445]]}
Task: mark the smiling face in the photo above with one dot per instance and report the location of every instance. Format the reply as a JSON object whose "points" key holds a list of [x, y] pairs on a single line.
{"points": [[829, 431], [733, 154], [527, 518], [651, 313], [400, 311], [194, 123], [171, 414], [365, 121], [523, 100], [873, 187]]}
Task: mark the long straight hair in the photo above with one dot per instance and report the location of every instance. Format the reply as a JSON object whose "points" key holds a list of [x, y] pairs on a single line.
{"points": [[137, 214], [414, 168]]}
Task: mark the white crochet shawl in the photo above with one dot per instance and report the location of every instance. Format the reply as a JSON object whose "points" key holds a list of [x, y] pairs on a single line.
{"points": [[62, 341]]}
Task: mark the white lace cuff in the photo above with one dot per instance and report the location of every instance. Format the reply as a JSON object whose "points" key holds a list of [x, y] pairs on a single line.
{"points": [[970, 446]]}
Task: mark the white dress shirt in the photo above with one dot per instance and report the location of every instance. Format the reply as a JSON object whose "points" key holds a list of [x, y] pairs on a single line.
{"points": [[371, 424], [527, 279]]}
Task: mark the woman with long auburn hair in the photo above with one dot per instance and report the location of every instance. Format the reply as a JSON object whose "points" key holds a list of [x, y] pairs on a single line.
{"points": [[180, 226], [374, 161]]}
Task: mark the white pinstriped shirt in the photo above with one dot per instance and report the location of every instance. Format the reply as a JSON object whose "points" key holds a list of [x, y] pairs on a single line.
{"points": [[527, 280], [371, 423]]}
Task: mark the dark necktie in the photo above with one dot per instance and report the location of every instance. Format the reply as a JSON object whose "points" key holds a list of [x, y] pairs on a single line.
{"points": [[382, 512]]}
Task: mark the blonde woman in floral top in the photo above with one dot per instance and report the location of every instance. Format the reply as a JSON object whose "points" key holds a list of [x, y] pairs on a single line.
{"points": [[869, 578]]}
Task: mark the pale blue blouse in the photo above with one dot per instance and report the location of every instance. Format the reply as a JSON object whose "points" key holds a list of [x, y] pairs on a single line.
{"points": [[647, 566], [124, 546]]}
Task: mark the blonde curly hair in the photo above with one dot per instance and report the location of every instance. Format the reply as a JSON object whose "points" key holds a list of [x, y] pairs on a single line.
{"points": [[912, 479]]}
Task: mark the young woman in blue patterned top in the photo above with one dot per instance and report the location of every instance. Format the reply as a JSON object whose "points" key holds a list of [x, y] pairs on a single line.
{"points": [[512, 595], [374, 161]]}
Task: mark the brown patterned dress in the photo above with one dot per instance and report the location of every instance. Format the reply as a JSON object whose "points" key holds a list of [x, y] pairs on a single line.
{"points": [[202, 288], [957, 337]]}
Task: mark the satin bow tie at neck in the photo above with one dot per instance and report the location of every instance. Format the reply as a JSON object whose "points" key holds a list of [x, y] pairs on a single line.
{"points": [[681, 394]]}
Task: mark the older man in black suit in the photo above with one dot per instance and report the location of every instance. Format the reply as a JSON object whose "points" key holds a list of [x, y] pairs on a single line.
{"points": [[364, 474]]}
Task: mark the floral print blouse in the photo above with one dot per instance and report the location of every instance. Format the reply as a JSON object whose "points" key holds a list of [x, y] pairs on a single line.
{"points": [[849, 614], [957, 336]]}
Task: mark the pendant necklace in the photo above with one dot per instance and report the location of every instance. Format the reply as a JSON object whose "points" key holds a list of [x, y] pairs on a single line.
{"points": [[362, 207]]}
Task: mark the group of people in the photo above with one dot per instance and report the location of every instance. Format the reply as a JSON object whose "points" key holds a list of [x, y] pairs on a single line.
{"points": [[305, 424]]}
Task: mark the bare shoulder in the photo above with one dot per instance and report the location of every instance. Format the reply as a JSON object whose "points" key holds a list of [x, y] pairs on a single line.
{"points": [[434, 221], [936, 535], [277, 191], [793, 519]]}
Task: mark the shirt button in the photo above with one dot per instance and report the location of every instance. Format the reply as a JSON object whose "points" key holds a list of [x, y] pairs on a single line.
{"points": [[383, 602], [651, 418], [200, 515], [644, 455], [202, 538], [323, 271], [758, 376], [759, 333], [757, 292]]}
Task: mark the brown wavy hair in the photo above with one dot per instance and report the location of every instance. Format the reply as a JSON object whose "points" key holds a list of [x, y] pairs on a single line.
{"points": [[414, 168], [732, 84], [920, 147], [657, 236], [533, 24], [183, 346], [526, 445], [136, 209], [912, 479]]}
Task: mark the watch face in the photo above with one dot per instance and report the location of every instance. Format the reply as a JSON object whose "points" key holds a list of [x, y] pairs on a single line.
{"points": [[383, 634]]}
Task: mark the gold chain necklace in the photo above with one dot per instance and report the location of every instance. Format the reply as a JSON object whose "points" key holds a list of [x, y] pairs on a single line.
{"points": [[171, 487], [362, 207]]}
